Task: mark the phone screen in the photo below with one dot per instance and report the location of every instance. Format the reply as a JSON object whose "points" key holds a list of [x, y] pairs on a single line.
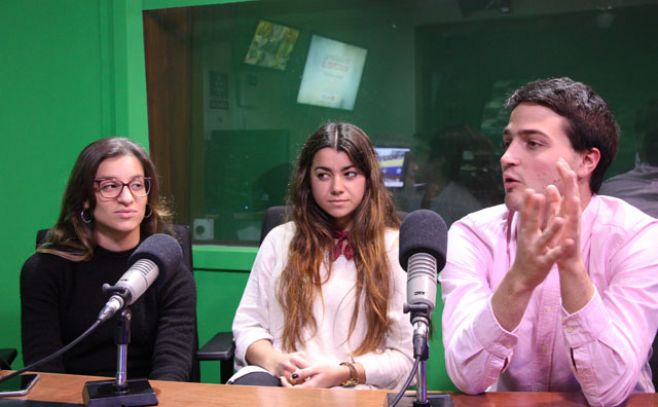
{"points": [[18, 385]]}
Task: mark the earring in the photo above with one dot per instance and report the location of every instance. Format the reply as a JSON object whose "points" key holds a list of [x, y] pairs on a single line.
{"points": [[150, 212], [85, 215]]}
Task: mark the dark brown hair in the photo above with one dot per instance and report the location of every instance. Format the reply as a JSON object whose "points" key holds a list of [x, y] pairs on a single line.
{"points": [[591, 124], [71, 237]]}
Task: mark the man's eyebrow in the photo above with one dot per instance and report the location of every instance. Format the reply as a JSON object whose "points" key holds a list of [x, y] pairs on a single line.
{"points": [[531, 132], [524, 132]]}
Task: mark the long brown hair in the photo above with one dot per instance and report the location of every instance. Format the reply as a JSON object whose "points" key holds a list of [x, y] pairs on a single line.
{"points": [[300, 280], [71, 237]]}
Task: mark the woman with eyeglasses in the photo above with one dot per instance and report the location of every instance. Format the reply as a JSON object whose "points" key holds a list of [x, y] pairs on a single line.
{"points": [[110, 205]]}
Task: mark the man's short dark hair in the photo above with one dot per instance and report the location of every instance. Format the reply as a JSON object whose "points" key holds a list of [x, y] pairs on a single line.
{"points": [[591, 123]]}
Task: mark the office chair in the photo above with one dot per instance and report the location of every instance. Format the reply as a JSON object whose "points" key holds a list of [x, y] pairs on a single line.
{"points": [[7, 356], [220, 347], [273, 217]]}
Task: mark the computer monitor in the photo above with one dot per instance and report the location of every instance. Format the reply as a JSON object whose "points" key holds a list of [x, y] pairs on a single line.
{"points": [[392, 164]]}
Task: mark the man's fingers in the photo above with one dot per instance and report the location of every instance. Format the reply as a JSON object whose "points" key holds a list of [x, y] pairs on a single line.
{"points": [[572, 207], [551, 236], [569, 179], [556, 252], [531, 212], [554, 201]]}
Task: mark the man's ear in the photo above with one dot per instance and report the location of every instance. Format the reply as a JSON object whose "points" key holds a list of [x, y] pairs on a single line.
{"points": [[588, 162]]}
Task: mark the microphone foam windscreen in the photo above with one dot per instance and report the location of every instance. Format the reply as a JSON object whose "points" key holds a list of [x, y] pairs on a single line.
{"points": [[162, 249], [423, 231]]}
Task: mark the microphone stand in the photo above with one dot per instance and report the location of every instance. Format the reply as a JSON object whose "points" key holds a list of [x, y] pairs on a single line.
{"points": [[421, 317], [121, 391]]}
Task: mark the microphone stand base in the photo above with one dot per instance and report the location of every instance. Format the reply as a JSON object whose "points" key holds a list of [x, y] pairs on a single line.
{"points": [[105, 394], [433, 400]]}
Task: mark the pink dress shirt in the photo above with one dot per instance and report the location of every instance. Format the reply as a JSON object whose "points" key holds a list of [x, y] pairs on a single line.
{"points": [[602, 349]]}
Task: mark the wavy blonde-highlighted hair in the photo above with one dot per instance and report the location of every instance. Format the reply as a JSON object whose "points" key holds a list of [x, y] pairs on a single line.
{"points": [[300, 280]]}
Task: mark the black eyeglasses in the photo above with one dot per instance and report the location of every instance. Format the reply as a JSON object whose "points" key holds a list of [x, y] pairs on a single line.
{"points": [[112, 187]]}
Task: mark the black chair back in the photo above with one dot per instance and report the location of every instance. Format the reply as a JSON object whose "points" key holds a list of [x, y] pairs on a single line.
{"points": [[273, 217], [7, 355]]}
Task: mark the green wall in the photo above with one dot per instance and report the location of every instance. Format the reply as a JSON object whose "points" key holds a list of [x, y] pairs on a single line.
{"points": [[71, 72]]}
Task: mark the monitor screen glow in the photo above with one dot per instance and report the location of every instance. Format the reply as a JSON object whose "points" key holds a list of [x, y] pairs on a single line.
{"points": [[332, 74], [391, 161]]}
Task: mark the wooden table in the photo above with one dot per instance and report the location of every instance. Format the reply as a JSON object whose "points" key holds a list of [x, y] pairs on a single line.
{"points": [[68, 389]]}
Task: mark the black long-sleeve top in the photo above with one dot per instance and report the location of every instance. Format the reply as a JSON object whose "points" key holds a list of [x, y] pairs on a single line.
{"points": [[60, 299]]}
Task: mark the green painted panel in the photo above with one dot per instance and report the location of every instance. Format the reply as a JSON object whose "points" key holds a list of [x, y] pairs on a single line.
{"points": [[437, 377], [211, 257], [218, 295], [57, 78], [129, 71], [50, 79], [157, 4]]}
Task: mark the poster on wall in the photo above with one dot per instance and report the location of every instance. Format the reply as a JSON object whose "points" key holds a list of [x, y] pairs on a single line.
{"points": [[272, 45], [332, 74]]}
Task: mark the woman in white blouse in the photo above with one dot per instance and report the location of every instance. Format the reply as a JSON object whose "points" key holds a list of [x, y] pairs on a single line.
{"points": [[323, 304]]}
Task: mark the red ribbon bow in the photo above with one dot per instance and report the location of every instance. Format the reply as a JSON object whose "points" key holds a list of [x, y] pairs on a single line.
{"points": [[342, 246]]}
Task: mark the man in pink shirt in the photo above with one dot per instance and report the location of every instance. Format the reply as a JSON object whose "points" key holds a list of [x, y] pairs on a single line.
{"points": [[557, 289]]}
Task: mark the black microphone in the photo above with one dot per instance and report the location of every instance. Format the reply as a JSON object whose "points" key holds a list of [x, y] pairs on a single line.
{"points": [[157, 253], [423, 244]]}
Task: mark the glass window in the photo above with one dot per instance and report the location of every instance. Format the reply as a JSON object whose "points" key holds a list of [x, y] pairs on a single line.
{"points": [[235, 89]]}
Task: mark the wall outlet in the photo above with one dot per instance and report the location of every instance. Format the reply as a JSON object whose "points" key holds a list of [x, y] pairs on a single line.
{"points": [[203, 229]]}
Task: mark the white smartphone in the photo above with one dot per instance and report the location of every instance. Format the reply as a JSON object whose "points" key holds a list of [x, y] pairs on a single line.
{"points": [[18, 385]]}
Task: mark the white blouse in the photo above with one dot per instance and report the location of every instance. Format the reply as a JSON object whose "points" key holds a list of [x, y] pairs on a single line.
{"points": [[260, 316]]}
